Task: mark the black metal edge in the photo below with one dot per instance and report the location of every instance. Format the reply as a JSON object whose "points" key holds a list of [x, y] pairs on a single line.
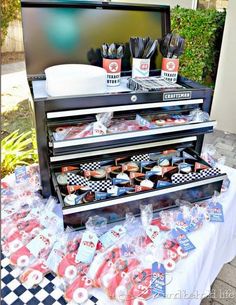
{"points": [[116, 99], [118, 154], [132, 141], [190, 150], [148, 192], [94, 4], [89, 118], [155, 213]]}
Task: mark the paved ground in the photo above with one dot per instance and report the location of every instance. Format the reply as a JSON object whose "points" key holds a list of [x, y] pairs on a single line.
{"points": [[15, 89], [225, 144]]}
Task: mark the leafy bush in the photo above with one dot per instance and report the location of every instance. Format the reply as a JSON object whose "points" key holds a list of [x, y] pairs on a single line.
{"points": [[10, 10], [202, 30], [18, 149]]}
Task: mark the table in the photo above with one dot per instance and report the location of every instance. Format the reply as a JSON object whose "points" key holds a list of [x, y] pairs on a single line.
{"points": [[187, 285]]}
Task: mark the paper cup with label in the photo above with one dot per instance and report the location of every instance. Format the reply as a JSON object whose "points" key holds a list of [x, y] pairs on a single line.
{"points": [[113, 68], [169, 70], [140, 67]]}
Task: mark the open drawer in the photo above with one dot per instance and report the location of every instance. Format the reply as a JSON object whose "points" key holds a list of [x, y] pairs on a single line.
{"points": [[110, 197], [81, 131]]}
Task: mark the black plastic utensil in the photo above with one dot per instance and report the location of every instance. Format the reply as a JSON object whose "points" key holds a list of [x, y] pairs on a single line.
{"points": [[147, 48], [152, 49]]}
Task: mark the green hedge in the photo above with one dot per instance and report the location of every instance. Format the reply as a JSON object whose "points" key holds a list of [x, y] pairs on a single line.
{"points": [[202, 30]]}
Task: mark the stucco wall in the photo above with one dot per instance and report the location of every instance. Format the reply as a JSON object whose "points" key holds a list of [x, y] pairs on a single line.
{"points": [[224, 102]]}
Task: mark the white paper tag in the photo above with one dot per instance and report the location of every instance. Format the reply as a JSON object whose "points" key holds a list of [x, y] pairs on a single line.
{"points": [[51, 219], [55, 256], [99, 129], [110, 237], [87, 248], [42, 241], [153, 233]]}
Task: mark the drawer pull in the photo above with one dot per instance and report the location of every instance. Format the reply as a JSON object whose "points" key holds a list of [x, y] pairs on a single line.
{"points": [[134, 98]]}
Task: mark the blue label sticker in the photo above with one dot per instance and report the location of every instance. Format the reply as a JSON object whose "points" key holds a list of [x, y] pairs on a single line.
{"points": [[158, 280], [119, 181], [176, 159], [161, 183], [216, 213], [101, 195], [124, 190], [79, 198], [184, 242], [152, 173], [20, 174], [145, 163]]}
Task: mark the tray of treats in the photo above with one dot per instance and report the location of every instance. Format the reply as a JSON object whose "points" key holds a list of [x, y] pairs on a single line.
{"points": [[108, 182], [109, 129]]}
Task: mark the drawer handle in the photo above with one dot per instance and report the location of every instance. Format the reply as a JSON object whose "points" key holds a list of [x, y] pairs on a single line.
{"points": [[134, 98]]}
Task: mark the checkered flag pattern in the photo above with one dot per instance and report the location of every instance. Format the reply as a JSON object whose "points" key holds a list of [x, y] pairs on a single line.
{"points": [[73, 179], [138, 158], [181, 178], [90, 166], [46, 293], [209, 172], [102, 185]]}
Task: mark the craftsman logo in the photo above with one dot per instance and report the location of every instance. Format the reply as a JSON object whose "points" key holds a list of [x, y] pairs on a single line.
{"points": [[113, 67], [170, 66], [177, 96]]}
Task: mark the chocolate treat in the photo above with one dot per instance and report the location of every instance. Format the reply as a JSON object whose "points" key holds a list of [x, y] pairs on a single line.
{"points": [[84, 189], [147, 183], [132, 166], [99, 175], [147, 168], [164, 162], [157, 169], [123, 176], [89, 197], [114, 173], [185, 168], [62, 179], [138, 180], [70, 199], [160, 122]]}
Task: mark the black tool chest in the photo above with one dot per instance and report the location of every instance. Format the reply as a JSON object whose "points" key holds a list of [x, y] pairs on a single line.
{"points": [[53, 112], [53, 155]]}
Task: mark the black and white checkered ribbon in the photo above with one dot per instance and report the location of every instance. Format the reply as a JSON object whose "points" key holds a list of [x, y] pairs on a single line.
{"points": [[73, 179], [90, 166], [205, 173], [102, 185], [138, 158]]}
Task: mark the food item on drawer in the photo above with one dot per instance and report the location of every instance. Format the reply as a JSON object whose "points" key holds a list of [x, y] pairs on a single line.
{"points": [[147, 183], [62, 179], [75, 79], [167, 168], [95, 175], [89, 197], [130, 167], [70, 199], [185, 167]]}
